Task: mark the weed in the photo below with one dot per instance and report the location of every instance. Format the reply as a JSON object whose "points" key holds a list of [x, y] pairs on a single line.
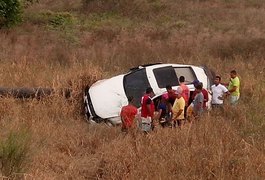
{"points": [[14, 153]]}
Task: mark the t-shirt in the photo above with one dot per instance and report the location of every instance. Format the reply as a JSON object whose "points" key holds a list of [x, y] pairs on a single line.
{"points": [[178, 105], [163, 107], [146, 100], [128, 114], [234, 82], [218, 91], [185, 92], [198, 100], [171, 96], [205, 96]]}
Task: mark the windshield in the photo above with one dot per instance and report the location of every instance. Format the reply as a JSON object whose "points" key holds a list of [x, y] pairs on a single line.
{"points": [[135, 85]]}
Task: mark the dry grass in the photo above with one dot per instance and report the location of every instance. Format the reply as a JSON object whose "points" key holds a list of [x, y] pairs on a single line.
{"points": [[224, 35]]}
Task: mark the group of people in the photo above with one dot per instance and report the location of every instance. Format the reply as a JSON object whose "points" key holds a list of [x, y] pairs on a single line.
{"points": [[176, 107]]}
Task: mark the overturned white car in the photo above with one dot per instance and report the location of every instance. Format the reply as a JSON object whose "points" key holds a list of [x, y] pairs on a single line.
{"points": [[105, 98]]}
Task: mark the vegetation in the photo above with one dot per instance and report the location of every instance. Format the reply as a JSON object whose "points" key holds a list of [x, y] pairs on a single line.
{"points": [[13, 153], [74, 43], [10, 12]]}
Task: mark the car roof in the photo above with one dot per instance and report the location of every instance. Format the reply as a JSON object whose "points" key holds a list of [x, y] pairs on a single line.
{"points": [[157, 65]]}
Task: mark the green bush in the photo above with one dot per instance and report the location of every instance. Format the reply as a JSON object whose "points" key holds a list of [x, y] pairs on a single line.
{"points": [[10, 12], [13, 153]]}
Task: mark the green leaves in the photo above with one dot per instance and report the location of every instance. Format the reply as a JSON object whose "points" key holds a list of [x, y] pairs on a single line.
{"points": [[10, 13]]}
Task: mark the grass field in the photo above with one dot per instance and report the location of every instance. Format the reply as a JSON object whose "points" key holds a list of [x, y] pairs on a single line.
{"points": [[74, 43]]}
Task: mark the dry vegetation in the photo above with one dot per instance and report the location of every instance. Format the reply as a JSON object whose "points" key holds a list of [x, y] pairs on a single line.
{"points": [[74, 43]]}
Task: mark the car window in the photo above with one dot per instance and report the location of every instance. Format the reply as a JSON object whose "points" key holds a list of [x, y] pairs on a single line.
{"points": [[187, 72], [165, 76], [135, 85]]}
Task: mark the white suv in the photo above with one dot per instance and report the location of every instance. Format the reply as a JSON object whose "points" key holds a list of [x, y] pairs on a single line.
{"points": [[105, 98]]}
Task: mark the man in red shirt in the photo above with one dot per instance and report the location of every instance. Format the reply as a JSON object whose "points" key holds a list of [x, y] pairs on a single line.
{"points": [[147, 111], [171, 94], [128, 114], [204, 92]]}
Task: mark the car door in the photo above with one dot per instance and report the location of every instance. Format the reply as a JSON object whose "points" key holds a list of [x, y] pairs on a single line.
{"points": [[135, 84], [161, 76]]}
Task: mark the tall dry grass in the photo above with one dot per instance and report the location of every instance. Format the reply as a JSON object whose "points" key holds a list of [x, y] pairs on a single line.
{"points": [[224, 35]]}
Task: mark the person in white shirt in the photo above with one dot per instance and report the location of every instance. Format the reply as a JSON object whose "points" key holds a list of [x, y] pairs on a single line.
{"points": [[219, 92]]}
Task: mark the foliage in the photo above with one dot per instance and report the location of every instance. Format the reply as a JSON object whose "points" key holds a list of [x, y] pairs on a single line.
{"points": [[13, 153], [10, 12]]}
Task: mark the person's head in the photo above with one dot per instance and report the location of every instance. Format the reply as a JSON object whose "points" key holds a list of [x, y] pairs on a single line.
{"points": [[181, 79], [149, 91], [168, 88], [179, 92], [217, 80], [164, 98], [199, 87], [130, 99], [195, 82], [233, 74]]}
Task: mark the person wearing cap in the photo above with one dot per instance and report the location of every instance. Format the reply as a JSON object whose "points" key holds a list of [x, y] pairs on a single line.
{"points": [[204, 92], [178, 109], [147, 110], [198, 102], [128, 114]]}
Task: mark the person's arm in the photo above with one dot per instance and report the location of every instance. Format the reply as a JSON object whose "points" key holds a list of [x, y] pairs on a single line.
{"points": [[159, 114], [205, 95], [225, 84], [225, 93], [122, 118], [233, 89], [179, 113]]}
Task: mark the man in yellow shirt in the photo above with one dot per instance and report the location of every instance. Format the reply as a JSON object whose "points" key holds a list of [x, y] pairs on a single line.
{"points": [[178, 109], [233, 88]]}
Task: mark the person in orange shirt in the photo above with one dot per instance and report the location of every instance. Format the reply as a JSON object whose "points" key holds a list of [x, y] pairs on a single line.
{"points": [[127, 115]]}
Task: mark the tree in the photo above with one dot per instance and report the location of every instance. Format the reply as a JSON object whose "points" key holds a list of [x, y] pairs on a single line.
{"points": [[10, 12]]}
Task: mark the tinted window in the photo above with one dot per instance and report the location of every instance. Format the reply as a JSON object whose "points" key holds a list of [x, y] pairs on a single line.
{"points": [[135, 85], [165, 76], [187, 72]]}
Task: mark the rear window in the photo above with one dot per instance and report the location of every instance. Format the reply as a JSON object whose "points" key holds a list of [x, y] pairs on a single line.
{"points": [[187, 72], [135, 85], [165, 76]]}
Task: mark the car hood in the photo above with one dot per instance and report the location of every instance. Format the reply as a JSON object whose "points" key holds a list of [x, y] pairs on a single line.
{"points": [[108, 96]]}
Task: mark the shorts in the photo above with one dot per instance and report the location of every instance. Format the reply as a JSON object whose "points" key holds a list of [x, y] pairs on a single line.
{"points": [[234, 100], [146, 124]]}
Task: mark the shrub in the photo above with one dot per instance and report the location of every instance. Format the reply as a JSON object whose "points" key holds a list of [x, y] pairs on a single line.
{"points": [[10, 12], [13, 153]]}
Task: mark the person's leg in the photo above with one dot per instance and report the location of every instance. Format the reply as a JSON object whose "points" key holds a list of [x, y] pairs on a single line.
{"points": [[174, 123], [180, 123]]}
